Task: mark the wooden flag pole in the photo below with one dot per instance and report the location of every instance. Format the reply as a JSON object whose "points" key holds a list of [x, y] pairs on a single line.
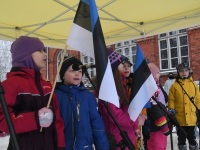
{"points": [[54, 84]]}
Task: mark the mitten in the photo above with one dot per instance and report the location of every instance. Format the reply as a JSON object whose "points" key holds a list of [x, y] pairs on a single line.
{"points": [[138, 133], [165, 129], [171, 111], [141, 119], [45, 117], [160, 121]]}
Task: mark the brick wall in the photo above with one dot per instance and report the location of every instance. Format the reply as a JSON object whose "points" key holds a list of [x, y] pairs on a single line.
{"points": [[194, 53], [53, 54], [150, 49]]}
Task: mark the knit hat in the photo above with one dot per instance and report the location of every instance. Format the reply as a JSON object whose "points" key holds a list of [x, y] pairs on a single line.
{"points": [[153, 68], [66, 63], [114, 57], [171, 76], [125, 59], [22, 49], [182, 66]]}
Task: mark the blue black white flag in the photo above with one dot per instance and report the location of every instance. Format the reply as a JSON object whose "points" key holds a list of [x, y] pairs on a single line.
{"points": [[144, 85], [87, 37]]}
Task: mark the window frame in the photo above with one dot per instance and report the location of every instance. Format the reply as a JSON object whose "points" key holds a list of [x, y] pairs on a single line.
{"points": [[167, 37]]}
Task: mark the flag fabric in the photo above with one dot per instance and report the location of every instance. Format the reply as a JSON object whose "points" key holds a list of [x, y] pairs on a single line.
{"points": [[87, 37], [144, 85]]}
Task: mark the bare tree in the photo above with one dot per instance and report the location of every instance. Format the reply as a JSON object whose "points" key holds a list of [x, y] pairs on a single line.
{"points": [[5, 58]]}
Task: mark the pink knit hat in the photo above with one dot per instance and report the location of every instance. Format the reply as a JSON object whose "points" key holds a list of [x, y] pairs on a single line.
{"points": [[153, 68]]}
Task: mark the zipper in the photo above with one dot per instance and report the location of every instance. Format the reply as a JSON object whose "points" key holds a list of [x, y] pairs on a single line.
{"points": [[78, 110]]}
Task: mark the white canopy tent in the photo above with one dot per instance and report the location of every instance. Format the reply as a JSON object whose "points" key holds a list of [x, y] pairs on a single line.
{"points": [[51, 20]]}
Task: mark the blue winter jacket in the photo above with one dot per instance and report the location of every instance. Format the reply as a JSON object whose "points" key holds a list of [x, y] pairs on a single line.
{"points": [[83, 124]]}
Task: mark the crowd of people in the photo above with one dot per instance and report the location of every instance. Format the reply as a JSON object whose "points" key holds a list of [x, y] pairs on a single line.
{"points": [[77, 120]]}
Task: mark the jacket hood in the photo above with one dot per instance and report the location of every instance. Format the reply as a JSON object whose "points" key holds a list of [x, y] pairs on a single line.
{"points": [[24, 72], [70, 88], [185, 79]]}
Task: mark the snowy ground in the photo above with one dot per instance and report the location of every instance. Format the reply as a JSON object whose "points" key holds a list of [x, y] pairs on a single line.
{"points": [[4, 141]]}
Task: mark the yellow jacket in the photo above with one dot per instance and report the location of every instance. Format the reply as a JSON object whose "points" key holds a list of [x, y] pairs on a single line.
{"points": [[179, 101]]}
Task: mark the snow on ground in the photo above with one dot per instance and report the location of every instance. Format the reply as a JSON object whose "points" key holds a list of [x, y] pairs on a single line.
{"points": [[4, 141]]}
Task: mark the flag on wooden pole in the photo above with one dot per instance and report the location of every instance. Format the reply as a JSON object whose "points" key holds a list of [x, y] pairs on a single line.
{"points": [[87, 37], [143, 87]]}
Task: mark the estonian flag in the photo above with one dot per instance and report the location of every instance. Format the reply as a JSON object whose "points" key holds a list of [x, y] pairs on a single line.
{"points": [[144, 85], [87, 37]]}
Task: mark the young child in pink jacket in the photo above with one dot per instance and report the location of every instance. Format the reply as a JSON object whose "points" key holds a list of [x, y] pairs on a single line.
{"points": [[158, 126], [121, 113]]}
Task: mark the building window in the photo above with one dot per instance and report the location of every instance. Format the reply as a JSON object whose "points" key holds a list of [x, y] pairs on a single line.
{"points": [[128, 49], [173, 49], [59, 57], [86, 60]]}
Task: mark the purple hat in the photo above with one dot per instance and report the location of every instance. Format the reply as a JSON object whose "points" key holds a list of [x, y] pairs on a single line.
{"points": [[22, 49], [115, 58]]}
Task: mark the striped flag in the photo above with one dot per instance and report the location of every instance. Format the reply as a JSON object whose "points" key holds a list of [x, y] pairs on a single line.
{"points": [[144, 85], [87, 37]]}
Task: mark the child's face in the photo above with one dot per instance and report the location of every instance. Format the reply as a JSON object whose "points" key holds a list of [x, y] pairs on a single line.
{"points": [[125, 69], [184, 73], [39, 58], [72, 77]]}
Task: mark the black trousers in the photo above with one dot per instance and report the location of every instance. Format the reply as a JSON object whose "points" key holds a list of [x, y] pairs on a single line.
{"points": [[190, 135]]}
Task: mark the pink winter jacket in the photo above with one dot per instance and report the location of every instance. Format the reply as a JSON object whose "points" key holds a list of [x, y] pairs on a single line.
{"points": [[123, 120]]}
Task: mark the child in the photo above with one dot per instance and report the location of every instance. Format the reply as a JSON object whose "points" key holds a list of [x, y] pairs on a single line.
{"points": [[121, 114], [125, 70], [180, 103], [78, 108], [158, 127], [27, 95]]}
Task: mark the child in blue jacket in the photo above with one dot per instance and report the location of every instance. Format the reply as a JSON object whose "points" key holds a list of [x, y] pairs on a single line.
{"points": [[78, 108]]}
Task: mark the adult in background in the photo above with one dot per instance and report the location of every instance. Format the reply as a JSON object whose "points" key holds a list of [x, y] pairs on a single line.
{"points": [[169, 82]]}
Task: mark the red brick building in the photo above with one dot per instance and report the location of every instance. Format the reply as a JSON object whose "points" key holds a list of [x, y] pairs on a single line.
{"points": [[150, 47]]}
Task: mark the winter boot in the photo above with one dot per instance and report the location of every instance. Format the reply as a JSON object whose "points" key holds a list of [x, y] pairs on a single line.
{"points": [[192, 147], [182, 147]]}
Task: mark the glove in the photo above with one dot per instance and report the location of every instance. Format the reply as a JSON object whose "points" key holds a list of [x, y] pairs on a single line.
{"points": [[141, 119], [45, 117], [138, 133], [172, 112]]}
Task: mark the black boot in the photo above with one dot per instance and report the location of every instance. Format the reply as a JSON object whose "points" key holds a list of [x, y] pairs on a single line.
{"points": [[192, 147], [182, 147]]}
